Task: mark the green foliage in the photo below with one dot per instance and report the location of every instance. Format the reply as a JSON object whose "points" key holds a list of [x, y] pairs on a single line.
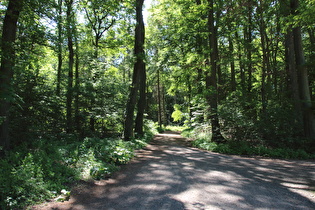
{"points": [[238, 118], [175, 128], [279, 123], [246, 148], [33, 177], [52, 165], [177, 115]]}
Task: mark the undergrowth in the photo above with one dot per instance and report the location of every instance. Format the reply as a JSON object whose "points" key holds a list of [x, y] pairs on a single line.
{"points": [[247, 148], [51, 166], [171, 128]]}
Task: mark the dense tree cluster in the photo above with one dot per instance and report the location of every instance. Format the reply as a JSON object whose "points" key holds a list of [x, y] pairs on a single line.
{"points": [[243, 69], [81, 80], [65, 68]]}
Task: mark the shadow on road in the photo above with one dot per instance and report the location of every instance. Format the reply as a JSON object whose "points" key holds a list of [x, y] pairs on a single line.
{"points": [[169, 175]]}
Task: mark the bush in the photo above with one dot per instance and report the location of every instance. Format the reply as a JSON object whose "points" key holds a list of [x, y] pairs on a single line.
{"points": [[32, 177], [33, 173], [237, 121], [203, 141]]}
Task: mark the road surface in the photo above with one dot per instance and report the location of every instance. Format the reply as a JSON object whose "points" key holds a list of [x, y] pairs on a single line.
{"points": [[168, 174]]}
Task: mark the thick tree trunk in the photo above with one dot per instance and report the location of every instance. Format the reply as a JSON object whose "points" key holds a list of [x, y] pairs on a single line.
{"points": [[139, 68], [141, 103], [211, 77], [311, 33], [308, 117], [9, 31], [293, 85], [142, 75], [292, 78], [307, 112]]}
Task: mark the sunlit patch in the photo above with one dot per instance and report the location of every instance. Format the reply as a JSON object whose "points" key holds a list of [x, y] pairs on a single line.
{"points": [[169, 135]]}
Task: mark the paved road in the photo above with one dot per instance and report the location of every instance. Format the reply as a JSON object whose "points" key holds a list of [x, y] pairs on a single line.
{"points": [[169, 175]]}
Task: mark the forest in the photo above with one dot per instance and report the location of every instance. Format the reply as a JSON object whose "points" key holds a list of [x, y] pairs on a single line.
{"points": [[85, 83]]}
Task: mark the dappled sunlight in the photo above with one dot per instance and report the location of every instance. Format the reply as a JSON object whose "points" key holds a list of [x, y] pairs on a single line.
{"points": [[169, 135], [168, 175]]}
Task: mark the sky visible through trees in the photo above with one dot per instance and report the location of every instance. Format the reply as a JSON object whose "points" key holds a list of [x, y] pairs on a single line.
{"points": [[226, 64]]}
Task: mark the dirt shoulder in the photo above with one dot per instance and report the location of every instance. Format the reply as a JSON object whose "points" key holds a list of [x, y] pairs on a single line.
{"points": [[168, 174]]}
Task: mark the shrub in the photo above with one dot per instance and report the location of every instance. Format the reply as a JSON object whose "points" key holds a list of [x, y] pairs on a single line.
{"points": [[244, 147], [46, 167]]}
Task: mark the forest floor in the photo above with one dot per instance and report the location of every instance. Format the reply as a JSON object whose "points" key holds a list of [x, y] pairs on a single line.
{"points": [[169, 174]]}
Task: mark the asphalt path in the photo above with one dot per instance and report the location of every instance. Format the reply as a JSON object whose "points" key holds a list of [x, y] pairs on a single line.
{"points": [[168, 174]]}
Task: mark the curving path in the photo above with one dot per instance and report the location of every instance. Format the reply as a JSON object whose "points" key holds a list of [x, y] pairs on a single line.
{"points": [[168, 174]]}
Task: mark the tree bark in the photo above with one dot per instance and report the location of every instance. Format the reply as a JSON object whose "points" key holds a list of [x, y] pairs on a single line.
{"points": [[241, 64], [249, 40], [142, 75], [139, 68], [265, 58], [70, 66], [159, 98], [59, 44], [9, 31], [77, 85], [292, 80], [232, 63], [141, 103], [211, 77], [307, 112]]}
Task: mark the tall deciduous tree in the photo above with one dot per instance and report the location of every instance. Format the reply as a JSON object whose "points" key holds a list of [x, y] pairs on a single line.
{"points": [[138, 79], [70, 33], [308, 116], [59, 44], [101, 17], [9, 31], [211, 77]]}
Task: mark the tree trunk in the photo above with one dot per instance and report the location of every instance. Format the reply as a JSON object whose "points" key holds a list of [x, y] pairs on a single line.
{"points": [[249, 40], [292, 81], [159, 98], [307, 112], [139, 68], [265, 59], [231, 49], [141, 104], [60, 41], [71, 64], [311, 33], [9, 31], [77, 85], [241, 64], [211, 77], [142, 77]]}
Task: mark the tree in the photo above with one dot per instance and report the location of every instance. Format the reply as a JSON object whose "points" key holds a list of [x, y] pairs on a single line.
{"points": [[9, 31], [101, 18], [211, 77], [70, 32], [138, 79], [308, 116], [59, 44]]}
